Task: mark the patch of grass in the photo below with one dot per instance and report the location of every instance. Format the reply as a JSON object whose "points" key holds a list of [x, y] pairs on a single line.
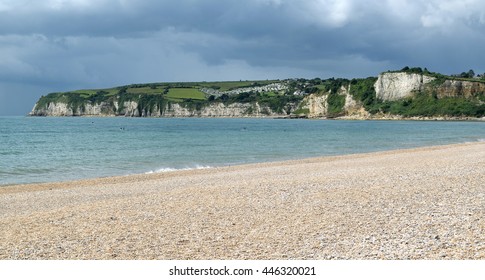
{"points": [[225, 86], [146, 90], [89, 92], [229, 85], [185, 93]]}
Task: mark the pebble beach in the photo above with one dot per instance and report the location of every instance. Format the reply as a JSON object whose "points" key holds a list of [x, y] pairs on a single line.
{"points": [[422, 203]]}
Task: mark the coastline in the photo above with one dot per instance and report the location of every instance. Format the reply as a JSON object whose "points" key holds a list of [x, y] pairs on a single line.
{"points": [[378, 117], [419, 203]]}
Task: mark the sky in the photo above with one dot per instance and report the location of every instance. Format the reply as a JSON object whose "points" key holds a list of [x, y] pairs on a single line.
{"points": [[60, 45]]}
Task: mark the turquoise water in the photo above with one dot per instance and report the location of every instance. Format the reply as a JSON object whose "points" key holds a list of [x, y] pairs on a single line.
{"points": [[58, 149]]}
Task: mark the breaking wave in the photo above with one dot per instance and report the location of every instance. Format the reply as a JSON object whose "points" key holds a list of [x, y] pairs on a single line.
{"points": [[171, 169]]}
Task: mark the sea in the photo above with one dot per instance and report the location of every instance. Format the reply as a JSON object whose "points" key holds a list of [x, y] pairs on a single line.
{"points": [[48, 149]]}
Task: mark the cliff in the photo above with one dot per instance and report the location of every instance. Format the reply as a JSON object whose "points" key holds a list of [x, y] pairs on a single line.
{"points": [[457, 88], [394, 95], [428, 95], [395, 86], [133, 109], [318, 106]]}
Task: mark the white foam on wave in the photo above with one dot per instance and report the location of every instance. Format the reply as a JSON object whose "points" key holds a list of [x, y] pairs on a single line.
{"points": [[481, 140], [170, 169]]}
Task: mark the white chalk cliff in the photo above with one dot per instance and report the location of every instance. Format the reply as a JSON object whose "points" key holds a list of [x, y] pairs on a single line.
{"points": [[131, 109], [394, 86]]}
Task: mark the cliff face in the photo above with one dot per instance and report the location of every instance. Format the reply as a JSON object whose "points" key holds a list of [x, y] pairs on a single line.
{"points": [[221, 110], [316, 105], [352, 108], [455, 88], [60, 109], [394, 86], [131, 109], [53, 109]]}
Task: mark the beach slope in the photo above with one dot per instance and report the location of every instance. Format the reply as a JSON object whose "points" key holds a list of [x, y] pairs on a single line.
{"points": [[424, 203]]}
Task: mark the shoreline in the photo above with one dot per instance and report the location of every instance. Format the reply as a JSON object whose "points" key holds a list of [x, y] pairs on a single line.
{"points": [[144, 175], [158, 175], [290, 117], [418, 203]]}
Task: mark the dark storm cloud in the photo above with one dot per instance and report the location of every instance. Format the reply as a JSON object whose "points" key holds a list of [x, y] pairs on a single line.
{"points": [[67, 44]]}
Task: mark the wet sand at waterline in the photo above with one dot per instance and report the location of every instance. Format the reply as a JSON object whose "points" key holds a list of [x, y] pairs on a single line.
{"points": [[423, 203]]}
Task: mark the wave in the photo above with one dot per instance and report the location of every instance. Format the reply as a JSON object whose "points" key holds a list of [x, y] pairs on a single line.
{"points": [[171, 169]]}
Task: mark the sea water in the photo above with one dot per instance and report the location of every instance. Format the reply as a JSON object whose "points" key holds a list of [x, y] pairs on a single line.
{"points": [[35, 149]]}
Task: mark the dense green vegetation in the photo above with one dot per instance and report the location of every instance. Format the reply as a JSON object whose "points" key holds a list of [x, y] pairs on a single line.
{"points": [[363, 90], [336, 104], [423, 104]]}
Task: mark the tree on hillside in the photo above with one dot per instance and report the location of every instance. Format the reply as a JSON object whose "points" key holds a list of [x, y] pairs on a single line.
{"points": [[415, 70], [469, 74]]}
